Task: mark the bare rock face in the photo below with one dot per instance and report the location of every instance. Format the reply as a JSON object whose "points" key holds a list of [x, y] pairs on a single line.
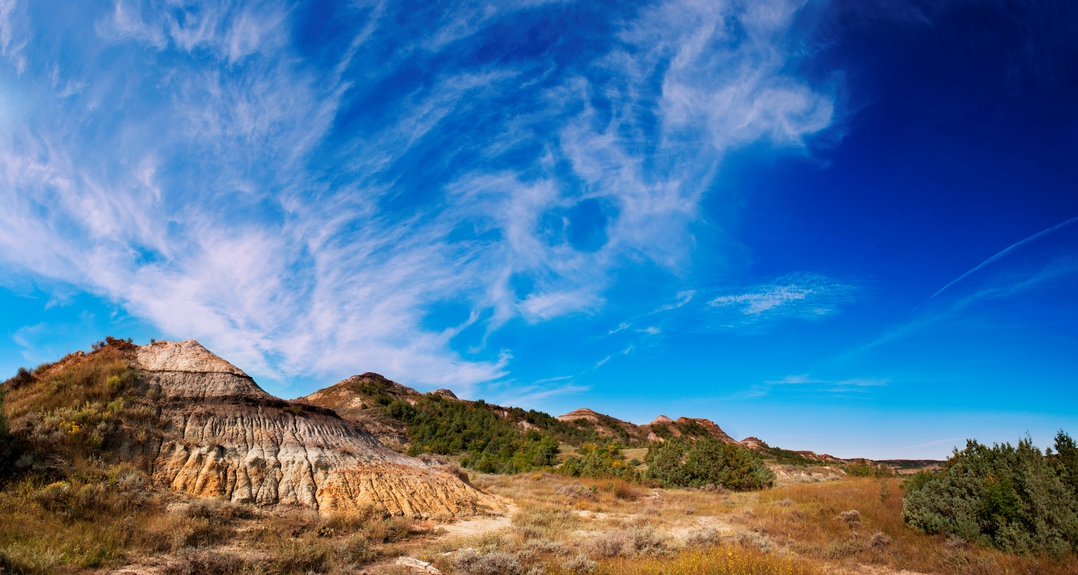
{"points": [[752, 442], [582, 413], [228, 438]]}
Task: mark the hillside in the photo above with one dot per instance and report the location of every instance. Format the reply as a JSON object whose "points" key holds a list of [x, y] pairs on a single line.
{"points": [[196, 424], [362, 399], [493, 438], [366, 399]]}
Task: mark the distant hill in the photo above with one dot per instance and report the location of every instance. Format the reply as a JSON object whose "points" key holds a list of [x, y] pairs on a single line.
{"points": [[502, 439]]}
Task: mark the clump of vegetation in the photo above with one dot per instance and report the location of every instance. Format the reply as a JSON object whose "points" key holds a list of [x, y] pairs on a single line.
{"points": [[76, 415], [706, 461], [633, 542], [599, 461], [1065, 461], [1012, 498], [490, 443], [866, 468]]}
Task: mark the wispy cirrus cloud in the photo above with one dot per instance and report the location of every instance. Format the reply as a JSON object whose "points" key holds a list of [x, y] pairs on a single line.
{"points": [[807, 384], [1038, 264], [805, 379], [302, 205], [800, 296]]}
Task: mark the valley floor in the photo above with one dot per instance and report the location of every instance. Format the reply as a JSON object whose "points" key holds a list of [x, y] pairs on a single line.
{"points": [[557, 525]]}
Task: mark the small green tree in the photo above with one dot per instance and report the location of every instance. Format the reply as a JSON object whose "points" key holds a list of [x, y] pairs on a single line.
{"points": [[1065, 460]]}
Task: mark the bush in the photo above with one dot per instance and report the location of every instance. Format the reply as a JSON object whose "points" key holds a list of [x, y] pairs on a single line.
{"points": [[851, 517], [472, 563], [597, 461], [702, 537], [675, 463], [629, 543], [1012, 498], [865, 468], [1065, 461], [581, 564]]}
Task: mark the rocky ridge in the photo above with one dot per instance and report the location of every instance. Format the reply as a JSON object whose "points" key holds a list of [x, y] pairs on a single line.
{"points": [[661, 428]]}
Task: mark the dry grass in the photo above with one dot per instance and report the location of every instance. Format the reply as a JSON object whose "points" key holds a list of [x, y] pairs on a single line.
{"points": [[818, 527], [815, 520], [792, 529], [82, 528], [724, 560]]}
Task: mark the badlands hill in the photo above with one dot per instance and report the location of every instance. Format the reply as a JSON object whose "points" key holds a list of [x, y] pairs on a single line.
{"points": [[369, 399], [196, 424], [660, 429], [363, 399], [359, 398], [387, 409]]}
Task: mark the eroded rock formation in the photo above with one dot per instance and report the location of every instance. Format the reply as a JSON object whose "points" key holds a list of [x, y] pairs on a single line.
{"points": [[226, 437]]}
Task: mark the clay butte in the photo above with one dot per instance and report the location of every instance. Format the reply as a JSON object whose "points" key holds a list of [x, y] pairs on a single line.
{"points": [[226, 437]]}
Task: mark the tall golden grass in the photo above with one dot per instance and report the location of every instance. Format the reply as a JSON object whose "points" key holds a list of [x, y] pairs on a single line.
{"points": [[804, 518], [723, 560]]}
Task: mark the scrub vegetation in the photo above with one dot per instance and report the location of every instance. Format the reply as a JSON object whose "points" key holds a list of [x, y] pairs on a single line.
{"points": [[1013, 498], [492, 439]]}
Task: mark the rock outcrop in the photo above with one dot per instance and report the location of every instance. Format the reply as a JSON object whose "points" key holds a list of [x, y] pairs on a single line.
{"points": [[226, 437]]}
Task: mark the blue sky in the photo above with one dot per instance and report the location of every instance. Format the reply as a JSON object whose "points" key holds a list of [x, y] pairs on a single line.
{"points": [[847, 227]]}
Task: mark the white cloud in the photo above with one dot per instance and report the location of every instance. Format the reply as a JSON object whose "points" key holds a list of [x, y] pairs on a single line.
{"points": [[12, 39], [683, 298], [197, 193]]}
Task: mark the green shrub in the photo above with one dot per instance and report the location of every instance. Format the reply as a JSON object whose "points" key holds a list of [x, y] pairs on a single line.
{"points": [[1065, 461], [707, 461], [1012, 498], [866, 468], [599, 461], [489, 441]]}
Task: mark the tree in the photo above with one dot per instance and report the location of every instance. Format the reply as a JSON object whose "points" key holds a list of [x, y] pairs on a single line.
{"points": [[706, 461], [1012, 498], [1065, 460]]}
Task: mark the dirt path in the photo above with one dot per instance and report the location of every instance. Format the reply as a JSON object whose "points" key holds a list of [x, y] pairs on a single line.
{"points": [[477, 525]]}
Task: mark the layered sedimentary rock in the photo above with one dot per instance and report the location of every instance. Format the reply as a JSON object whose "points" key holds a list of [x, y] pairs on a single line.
{"points": [[226, 437]]}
